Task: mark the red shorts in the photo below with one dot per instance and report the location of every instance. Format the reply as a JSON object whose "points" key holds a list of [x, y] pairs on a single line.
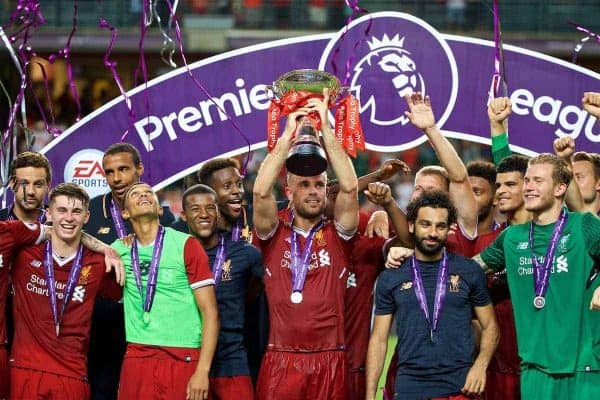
{"points": [[231, 388], [300, 376], [455, 397], [31, 384], [501, 386], [155, 372], [4, 373], [357, 387]]}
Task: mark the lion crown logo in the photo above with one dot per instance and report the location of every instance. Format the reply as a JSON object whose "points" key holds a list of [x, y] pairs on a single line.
{"points": [[385, 75]]}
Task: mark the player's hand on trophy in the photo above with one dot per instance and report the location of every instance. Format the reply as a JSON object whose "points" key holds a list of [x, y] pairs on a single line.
{"points": [[391, 168], [420, 112], [595, 303], [499, 109], [396, 256], [321, 106], [378, 225], [564, 147], [591, 103], [294, 120]]}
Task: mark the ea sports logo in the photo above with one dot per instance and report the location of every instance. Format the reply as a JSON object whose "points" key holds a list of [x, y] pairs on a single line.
{"points": [[393, 55], [85, 169], [390, 63]]}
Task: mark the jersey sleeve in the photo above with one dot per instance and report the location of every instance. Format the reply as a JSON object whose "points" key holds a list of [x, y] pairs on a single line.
{"points": [[500, 148], [590, 226], [257, 268], [25, 233], [196, 264], [493, 255], [478, 294], [384, 300]]}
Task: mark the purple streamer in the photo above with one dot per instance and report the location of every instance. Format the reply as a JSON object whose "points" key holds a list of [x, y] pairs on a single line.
{"points": [[112, 66], [499, 75], [356, 10], [579, 46], [204, 90], [50, 129]]}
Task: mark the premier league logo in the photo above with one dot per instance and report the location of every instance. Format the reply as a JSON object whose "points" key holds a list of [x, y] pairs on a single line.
{"points": [[383, 57], [390, 63]]}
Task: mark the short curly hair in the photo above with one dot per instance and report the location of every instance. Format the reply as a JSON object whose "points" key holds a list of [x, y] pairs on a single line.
{"points": [[433, 199], [205, 174]]}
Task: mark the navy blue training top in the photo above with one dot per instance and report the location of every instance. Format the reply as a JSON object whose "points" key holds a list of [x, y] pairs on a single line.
{"points": [[242, 262], [435, 368]]}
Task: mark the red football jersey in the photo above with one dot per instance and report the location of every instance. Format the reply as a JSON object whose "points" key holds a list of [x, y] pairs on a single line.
{"points": [[317, 323], [12, 235], [36, 345], [367, 262]]}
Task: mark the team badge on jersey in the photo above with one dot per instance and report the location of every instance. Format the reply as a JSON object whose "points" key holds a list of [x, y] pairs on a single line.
{"points": [[454, 283], [246, 234], [320, 238], [84, 275], [226, 275]]}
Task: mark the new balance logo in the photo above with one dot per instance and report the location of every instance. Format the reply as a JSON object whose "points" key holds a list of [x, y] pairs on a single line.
{"points": [[522, 245], [1, 261], [351, 280]]}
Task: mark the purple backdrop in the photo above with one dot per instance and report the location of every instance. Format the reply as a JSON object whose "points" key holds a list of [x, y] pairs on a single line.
{"points": [[182, 128]]}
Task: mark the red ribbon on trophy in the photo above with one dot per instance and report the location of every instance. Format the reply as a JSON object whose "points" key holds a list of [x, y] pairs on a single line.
{"points": [[294, 89]]}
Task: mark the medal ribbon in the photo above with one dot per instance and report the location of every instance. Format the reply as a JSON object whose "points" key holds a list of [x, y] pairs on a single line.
{"points": [[219, 260], [51, 282], [153, 273], [440, 291], [541, 273], [115, 212], [301, 261]]}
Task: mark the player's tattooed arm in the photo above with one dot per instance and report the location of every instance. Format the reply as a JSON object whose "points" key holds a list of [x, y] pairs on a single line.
{"points": [[482, 264], [112, 260]]}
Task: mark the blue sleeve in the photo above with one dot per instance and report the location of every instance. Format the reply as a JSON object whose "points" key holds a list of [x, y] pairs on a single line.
{"points": [[384, 299], [478, 294]]}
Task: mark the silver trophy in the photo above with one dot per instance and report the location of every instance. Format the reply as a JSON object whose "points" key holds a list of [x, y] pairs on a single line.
{"points": [[306, 156]]}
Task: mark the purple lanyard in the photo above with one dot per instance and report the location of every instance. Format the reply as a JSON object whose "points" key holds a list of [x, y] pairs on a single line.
{"points": [[219, 260], [153, 272], [541, 273], [241, 223], [236, 230], [51, 282], [115, 212], [301, 260], [440, 291]]}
